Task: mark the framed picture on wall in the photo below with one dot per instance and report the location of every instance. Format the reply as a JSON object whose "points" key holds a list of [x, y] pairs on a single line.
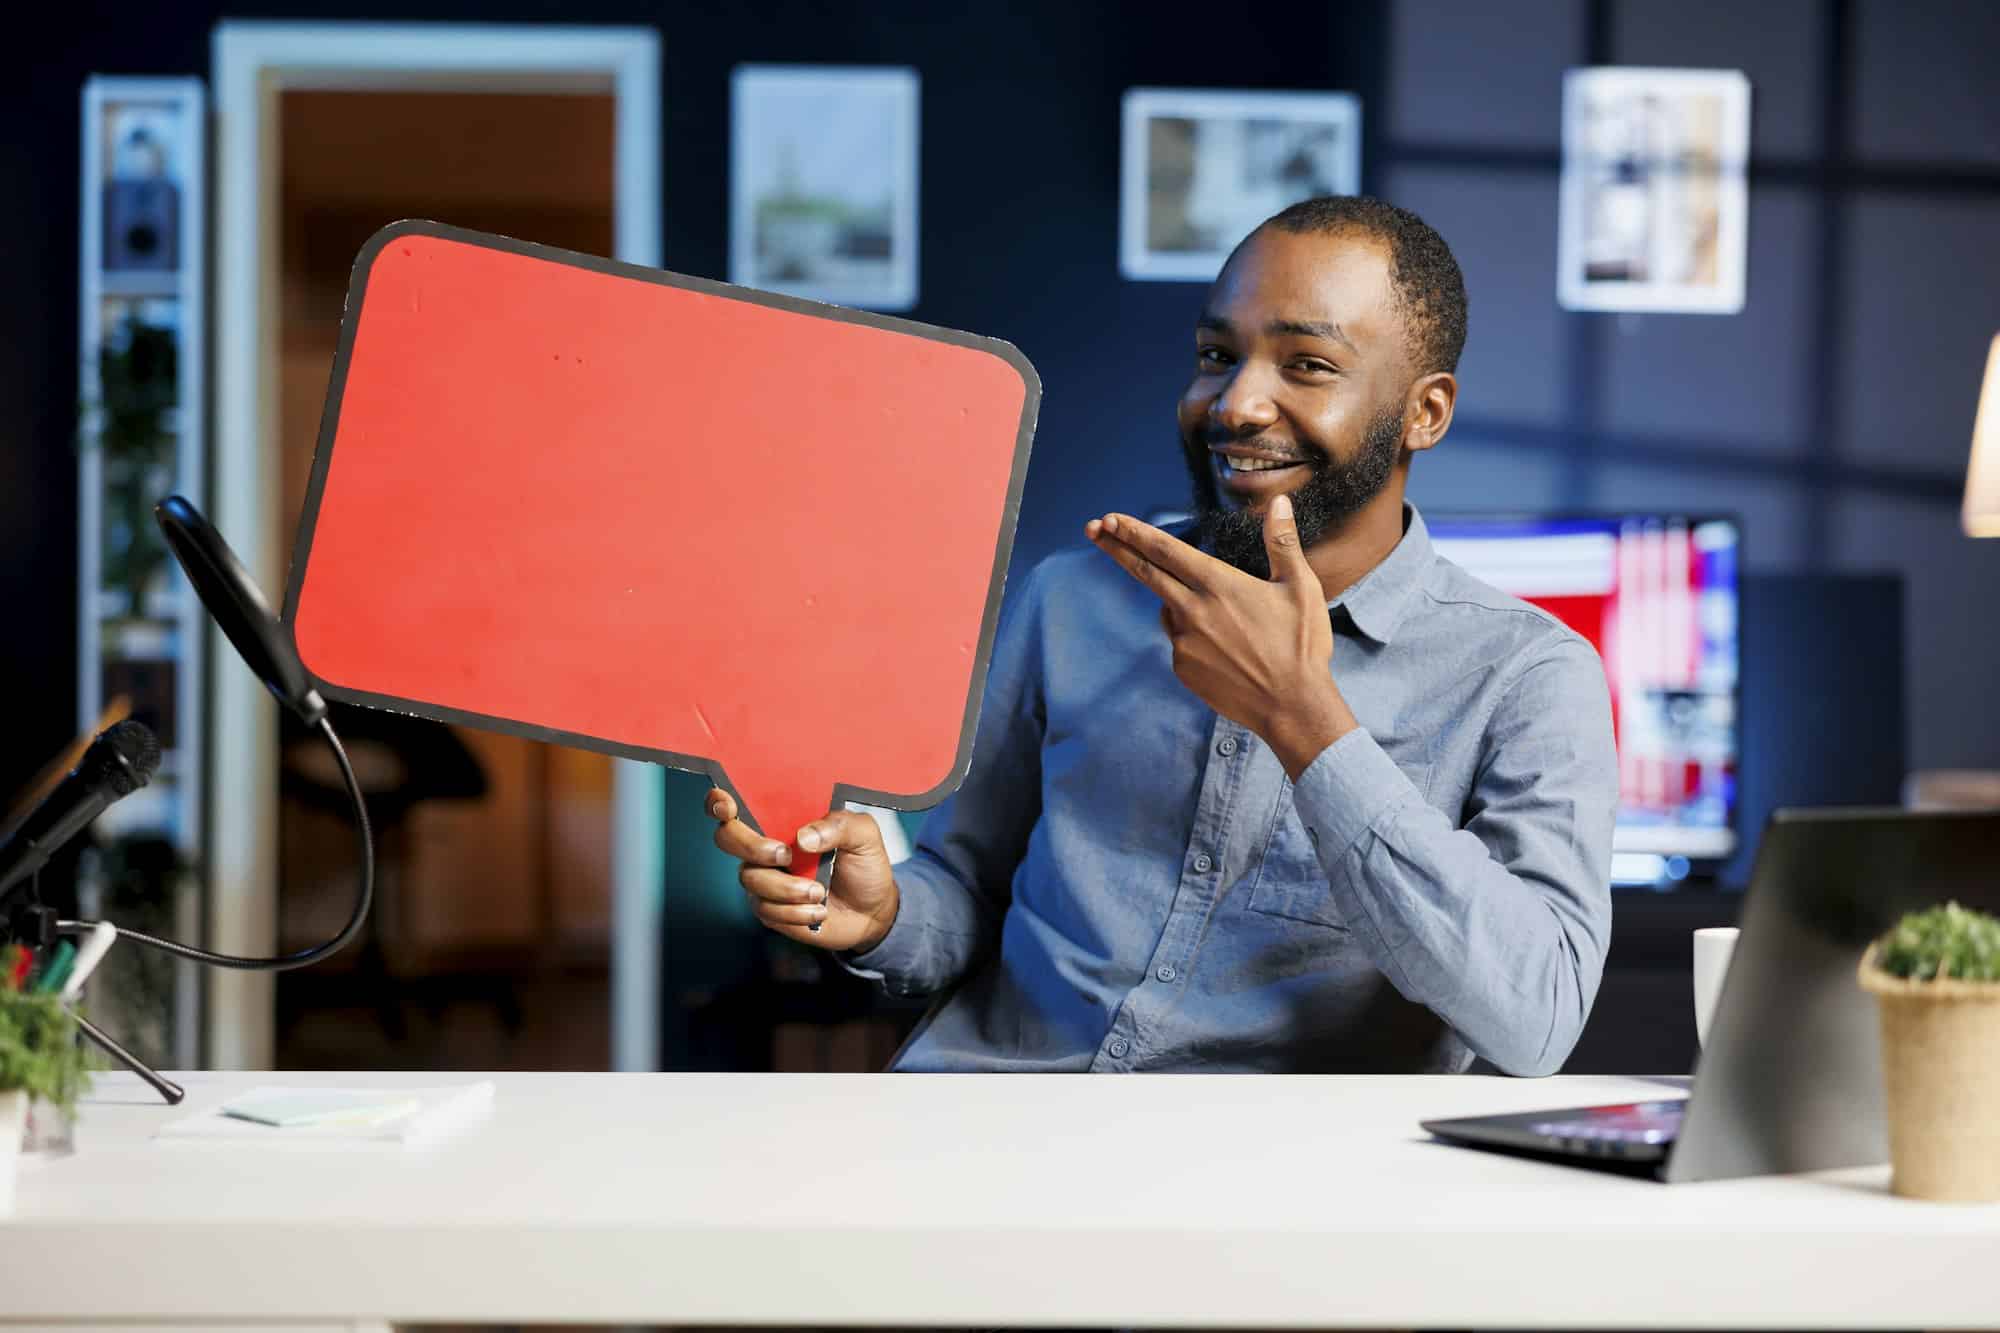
{"points": [[823, 183], [1200, 169], [1655, 201]]}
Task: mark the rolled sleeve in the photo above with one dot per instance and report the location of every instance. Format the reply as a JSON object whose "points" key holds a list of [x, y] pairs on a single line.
{"points": [[897, 960], [1345, 790]]}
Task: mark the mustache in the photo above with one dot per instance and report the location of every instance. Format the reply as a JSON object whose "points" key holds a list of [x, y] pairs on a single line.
{"points": [[1219, 437]]}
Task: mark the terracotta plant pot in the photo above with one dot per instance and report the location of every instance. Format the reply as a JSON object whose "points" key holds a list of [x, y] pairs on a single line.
{"points": [[1941, 1077], [13, 1118]]}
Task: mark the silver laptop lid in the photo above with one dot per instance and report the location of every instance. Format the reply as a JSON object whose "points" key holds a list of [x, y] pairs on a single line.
{"points": [[1790, 1079]]}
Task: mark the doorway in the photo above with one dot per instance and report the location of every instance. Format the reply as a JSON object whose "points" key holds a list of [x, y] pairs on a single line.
{"points": [[506, 865], [489, 943]]}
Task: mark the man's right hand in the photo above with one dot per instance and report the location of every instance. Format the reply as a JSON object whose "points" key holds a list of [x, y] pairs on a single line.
{"points": [[854, 915]]}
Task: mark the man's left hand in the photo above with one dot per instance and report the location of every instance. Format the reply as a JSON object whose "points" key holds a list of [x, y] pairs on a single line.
{"points": [[1259, 653]]}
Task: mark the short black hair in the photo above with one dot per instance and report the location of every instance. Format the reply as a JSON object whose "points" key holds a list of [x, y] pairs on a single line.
{"points": [[1430, 288]]}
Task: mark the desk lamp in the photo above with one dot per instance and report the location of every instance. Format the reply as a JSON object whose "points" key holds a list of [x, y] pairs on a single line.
{"points": [[1973, 788], [1982, 472]]}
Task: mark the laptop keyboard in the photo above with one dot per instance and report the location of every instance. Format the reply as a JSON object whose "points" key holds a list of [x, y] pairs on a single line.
{"points": [[1584, 1129], [1612, 1128]]}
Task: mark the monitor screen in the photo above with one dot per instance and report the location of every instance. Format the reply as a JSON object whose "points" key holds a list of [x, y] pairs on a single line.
{"points": [[1656, 594]]}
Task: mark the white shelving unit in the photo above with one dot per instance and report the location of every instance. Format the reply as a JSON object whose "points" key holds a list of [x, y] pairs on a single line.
{"points": [[141, 632]]}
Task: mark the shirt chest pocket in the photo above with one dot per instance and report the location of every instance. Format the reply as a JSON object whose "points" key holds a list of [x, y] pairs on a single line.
{"points": [[1288, 881]]}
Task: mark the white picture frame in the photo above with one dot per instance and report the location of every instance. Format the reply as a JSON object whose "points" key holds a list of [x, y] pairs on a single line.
{"points": [[823, 183], [1199, 169], [1655, 198]]}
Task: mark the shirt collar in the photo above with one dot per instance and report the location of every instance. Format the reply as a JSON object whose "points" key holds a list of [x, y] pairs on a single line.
{"points": [[1377, 603]]}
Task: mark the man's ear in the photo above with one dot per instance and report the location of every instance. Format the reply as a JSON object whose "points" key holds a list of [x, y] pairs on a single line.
{"points": [[1427, 410]]}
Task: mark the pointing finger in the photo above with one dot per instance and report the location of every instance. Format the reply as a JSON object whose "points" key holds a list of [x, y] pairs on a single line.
{"points": [[1194, 568], [1168, 588]]}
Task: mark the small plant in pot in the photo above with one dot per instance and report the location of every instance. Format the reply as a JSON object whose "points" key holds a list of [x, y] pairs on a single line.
{"points": [[1936, 979], [39, 1058]]}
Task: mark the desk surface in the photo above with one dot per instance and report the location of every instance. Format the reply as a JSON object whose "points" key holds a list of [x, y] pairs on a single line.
{"points": [[960, 1200]]}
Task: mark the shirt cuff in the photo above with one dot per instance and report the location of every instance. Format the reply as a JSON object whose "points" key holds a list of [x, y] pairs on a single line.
{"points": [[892, 959], [1351, 784]]}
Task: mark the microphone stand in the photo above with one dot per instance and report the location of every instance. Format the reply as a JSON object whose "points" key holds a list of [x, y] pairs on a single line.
{"points": [[37, 927], [166, 1087]]}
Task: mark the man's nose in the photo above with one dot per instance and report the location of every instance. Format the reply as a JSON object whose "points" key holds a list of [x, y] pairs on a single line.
{"points": [[1246, 403]]}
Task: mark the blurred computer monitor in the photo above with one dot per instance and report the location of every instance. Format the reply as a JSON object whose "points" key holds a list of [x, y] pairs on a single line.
{"points": [[1658, 595]]}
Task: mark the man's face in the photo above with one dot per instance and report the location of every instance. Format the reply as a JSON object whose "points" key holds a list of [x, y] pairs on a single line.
{"points": [[1300, 372]]}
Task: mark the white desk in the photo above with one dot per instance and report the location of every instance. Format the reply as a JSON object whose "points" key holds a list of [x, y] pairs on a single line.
{"points": [[857, 1199]]}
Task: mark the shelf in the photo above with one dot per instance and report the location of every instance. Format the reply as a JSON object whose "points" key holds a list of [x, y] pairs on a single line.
{"points": [[140, 284], [126, 639], [167, 610]]}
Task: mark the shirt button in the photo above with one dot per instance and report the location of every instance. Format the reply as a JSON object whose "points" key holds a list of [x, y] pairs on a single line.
{"points": [[1118, 1048], [1166, 972], [1202, 864], [1228, 745]]}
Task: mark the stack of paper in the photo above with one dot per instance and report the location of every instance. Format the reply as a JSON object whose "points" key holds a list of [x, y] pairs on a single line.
{"points": [[295, 1114]]}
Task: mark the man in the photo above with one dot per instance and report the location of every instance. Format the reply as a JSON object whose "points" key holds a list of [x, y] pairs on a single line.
{"points": [[1297, 795]]}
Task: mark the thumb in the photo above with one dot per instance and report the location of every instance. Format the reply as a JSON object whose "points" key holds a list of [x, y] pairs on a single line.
{"points": [[847, 832], [844, 831], [1281, 543]]}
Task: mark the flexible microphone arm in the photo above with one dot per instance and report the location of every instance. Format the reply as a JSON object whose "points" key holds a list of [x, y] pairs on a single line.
{"points": [[284, 962]]}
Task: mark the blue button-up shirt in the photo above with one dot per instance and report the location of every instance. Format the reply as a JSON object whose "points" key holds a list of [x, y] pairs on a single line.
{"points": [[1128, 881]]}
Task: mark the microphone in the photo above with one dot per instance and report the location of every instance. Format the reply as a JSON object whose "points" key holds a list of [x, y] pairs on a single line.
{"points": [[118, 763], [231, 596]]}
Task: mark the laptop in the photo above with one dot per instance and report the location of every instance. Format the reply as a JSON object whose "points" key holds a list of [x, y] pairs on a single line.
{"points": [[1790, 1078]]}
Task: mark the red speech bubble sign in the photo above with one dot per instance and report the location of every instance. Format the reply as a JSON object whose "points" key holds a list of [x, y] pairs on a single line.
{"points": [[662, 517]]}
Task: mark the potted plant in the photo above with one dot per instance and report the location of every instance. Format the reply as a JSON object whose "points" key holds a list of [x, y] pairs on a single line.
{"points": [[39, 1059], [1936, 978]]}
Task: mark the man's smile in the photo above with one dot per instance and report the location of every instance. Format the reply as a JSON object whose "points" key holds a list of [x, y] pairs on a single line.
{"points": [[1257, 474]]}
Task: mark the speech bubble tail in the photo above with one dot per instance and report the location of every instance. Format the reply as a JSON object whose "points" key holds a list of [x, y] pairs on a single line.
{"points": [[779, 809]]}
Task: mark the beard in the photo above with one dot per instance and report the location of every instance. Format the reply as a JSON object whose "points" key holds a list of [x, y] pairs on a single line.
{"points": [[1335, 491]]}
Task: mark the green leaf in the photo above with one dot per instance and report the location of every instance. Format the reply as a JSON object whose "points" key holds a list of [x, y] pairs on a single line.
{"points": [[38, 1049], [1948, 941]]}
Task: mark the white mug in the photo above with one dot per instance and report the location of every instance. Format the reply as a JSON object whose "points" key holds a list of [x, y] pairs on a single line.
{"points": [[1712, 946]]}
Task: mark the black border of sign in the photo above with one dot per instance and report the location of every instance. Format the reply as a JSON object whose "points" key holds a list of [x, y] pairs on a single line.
{"points": [[996, 580]]}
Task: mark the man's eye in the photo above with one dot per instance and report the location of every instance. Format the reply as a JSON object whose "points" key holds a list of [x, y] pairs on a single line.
{"points": [[1213, 356], [1314, 367]]}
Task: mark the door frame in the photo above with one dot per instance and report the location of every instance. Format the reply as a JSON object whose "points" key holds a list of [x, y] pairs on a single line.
{"points": [[252, 63]]}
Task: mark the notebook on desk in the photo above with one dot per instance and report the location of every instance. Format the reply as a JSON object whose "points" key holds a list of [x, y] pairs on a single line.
{"points": [[1790, 1078], [282, 1114]]}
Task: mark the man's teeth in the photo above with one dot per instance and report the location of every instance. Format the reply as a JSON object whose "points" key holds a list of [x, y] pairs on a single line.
{"points": [[1259, 464]]}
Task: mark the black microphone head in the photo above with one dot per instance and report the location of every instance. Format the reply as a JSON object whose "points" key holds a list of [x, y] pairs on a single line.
{"points": [[232, 597], [124, 757]]}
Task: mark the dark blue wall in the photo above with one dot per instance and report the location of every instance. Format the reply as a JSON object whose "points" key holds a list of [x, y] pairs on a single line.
{"points": [[1833, 413], [1019, 215]]}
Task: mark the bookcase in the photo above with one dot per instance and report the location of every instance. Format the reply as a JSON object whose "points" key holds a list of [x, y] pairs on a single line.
{"points": [[141, 632]]}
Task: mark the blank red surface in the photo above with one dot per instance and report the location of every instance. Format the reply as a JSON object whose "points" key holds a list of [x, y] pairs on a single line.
{"points": [[661, 519]]}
